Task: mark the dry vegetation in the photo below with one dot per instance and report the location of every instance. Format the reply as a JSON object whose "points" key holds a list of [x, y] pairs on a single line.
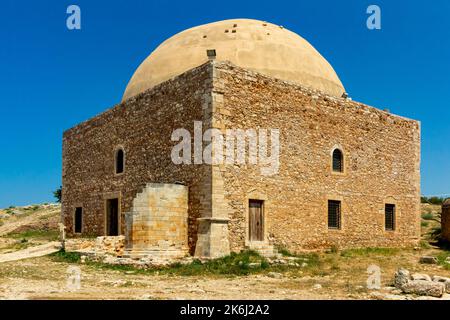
{"points": [[340, 274]]}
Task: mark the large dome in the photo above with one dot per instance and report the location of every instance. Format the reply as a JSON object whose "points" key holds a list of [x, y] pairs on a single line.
{"points": [[252, 44]]}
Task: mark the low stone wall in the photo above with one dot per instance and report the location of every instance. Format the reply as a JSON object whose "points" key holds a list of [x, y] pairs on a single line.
{"points": [[110, 245], [100, 246]]}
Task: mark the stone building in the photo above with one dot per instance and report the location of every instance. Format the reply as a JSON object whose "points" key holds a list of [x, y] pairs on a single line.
{"points": [[445, 220], [346, 174]]}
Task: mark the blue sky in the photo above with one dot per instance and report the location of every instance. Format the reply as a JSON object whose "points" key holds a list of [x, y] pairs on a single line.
{"points": [[52, 78]]}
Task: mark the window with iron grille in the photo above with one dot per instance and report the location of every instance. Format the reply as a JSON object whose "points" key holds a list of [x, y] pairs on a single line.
{"points": [[338, 162], [78, 219], [389, 217], [334, 214]]}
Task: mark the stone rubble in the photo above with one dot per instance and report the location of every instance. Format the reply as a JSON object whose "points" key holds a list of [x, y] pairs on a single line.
{"points": [[428, 260], [421, 284]]}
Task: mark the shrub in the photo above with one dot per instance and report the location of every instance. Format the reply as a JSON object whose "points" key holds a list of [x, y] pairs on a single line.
{"points": [[427, 216], [436, 233], [58, 194], [432, 200]]}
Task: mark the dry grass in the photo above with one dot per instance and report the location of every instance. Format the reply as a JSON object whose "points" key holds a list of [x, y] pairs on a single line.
{"points": [[342, 274]]}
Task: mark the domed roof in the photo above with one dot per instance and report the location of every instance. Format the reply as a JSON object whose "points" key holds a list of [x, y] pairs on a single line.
{"points": [[252, 44]]}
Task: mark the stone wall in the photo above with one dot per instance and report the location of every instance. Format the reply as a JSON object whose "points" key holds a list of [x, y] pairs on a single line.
{"points": [[381, 165], [445, 220], [157, 223], [142, 126]]}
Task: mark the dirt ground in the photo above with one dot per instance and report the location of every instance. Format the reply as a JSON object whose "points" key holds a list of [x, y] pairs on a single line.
{"points": [[341, 276]]}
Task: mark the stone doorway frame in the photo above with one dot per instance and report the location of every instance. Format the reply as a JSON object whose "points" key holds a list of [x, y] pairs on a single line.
{"points": [[256, 195], [109, 196]]}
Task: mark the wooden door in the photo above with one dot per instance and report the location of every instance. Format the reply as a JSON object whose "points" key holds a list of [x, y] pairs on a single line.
{"points": [[256, 220]]}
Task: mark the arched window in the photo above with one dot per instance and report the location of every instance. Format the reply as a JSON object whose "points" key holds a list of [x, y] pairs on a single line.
{"points": [[120, 161], [338, 161]]}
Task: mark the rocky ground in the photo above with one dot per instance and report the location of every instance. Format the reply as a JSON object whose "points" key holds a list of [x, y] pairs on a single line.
{"points": [[330, 275]]}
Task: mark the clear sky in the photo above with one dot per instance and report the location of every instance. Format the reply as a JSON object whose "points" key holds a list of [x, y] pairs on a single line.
{"points": [[52, 78]]}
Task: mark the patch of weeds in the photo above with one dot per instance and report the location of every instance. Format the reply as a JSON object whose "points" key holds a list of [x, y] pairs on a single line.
{"points": [[64, 256], [424, 244], [236, 264], [435, 232], [284, 252], [312, 259], [335, 266], [424, 224], [50, 235], [307, 262], [442, 259], [359, 252], [1, 222], [233, 264]]}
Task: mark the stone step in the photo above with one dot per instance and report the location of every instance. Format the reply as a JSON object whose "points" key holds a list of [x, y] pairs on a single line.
{"points": [[264, 249]]}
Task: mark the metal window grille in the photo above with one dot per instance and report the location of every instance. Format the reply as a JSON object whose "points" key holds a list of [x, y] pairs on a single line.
{"points": [[389, 214], [337, 161], [334, 214]]}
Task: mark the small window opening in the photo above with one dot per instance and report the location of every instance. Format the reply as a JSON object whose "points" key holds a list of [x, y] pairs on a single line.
{"points": [[119, 161], [78, 219], [389, 217], [338, 162], [334, 214]]}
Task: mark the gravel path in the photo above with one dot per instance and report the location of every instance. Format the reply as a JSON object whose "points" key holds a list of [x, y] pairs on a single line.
{"points": [[32, 252]]}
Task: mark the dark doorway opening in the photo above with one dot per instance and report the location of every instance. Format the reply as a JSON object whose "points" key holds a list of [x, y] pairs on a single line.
{"points": [[112, 217], [256, 220]]}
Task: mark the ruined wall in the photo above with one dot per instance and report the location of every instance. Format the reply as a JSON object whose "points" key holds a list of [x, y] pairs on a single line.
{"points": [[381, 165], [142, 126], [157, 223], [445, 220]]}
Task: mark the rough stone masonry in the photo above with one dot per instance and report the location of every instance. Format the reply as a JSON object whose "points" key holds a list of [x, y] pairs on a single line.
{"points": [[381, 166]]}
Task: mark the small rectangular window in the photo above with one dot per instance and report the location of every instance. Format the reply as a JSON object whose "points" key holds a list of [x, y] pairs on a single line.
{"points": [[389, 217], [78, 219], [334, 214]]}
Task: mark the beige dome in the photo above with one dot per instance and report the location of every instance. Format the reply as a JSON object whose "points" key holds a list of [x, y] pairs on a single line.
{"points": [[251, 44]]}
